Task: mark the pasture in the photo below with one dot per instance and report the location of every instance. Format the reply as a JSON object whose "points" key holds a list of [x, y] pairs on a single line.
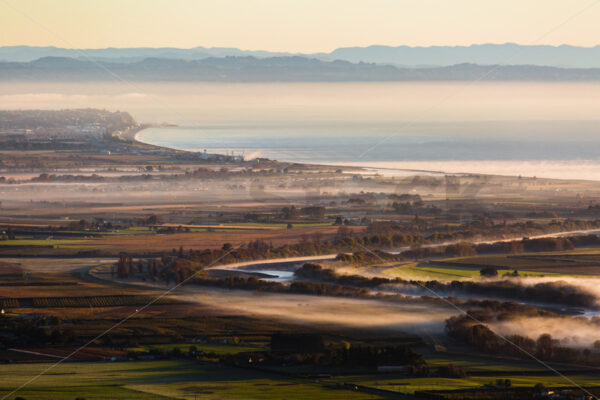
{"points": [[161, 380], [409, 385], [577, 262]]}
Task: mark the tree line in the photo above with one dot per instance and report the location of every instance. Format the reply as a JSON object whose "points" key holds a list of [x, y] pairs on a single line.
{"points": [[480, 336], [559, 292]]}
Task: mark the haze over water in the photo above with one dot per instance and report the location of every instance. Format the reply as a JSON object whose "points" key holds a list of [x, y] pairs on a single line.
{"points": [[512, 128]]}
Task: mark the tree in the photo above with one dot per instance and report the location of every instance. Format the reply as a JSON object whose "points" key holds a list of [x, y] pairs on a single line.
{"points": [[290, 213], [343, 232], [153, 220], [539, 388], [122, 268], [489, 272], [544, 346], [587, 353], [130, 269]]}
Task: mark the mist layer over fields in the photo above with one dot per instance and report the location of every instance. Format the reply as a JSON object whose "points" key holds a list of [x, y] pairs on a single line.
{"points": [[323, 310], [571, 332]]}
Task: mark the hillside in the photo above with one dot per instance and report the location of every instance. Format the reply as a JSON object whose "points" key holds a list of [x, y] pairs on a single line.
{"points": [[274, 69]]}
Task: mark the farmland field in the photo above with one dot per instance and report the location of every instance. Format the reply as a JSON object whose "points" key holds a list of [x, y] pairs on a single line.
{"points": [[412, 384], [579, 262], [161, 380], [447, 270], [172, 274], [205, 347]]}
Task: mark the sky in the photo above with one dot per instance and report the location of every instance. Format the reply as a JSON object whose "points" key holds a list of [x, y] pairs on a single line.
{"points": [[296, 25]]}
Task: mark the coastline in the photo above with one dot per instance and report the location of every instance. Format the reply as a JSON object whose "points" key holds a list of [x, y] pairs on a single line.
{"points": [[571, 170], [132, 135]]}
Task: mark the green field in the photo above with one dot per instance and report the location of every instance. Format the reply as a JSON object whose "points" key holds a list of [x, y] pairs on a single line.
{"points": [[416, 272], [426, 272], [36, 242], [522, 373], [468, 270], [412, 384], [216, 348], [572, 263], [480, 364], [134, 230], [193, 380], [278, 225], [160, 380]]}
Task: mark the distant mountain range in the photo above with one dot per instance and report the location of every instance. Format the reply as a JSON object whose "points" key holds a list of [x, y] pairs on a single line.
{"points": [[564, 56], [485, 54], [127, 55], [274, 69]]}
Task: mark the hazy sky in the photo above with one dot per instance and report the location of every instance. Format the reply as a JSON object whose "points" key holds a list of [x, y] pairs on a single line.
{"points": [[294, 25]]}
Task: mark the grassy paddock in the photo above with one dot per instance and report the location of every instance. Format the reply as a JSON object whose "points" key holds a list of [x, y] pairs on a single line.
{"points": [[411, 384], [36, 242], [216, 348], [160, 380], [467, 268], [573, 263]]}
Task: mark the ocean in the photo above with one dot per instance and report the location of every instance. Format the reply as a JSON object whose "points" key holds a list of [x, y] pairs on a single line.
{"points": [[509, 128]]}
